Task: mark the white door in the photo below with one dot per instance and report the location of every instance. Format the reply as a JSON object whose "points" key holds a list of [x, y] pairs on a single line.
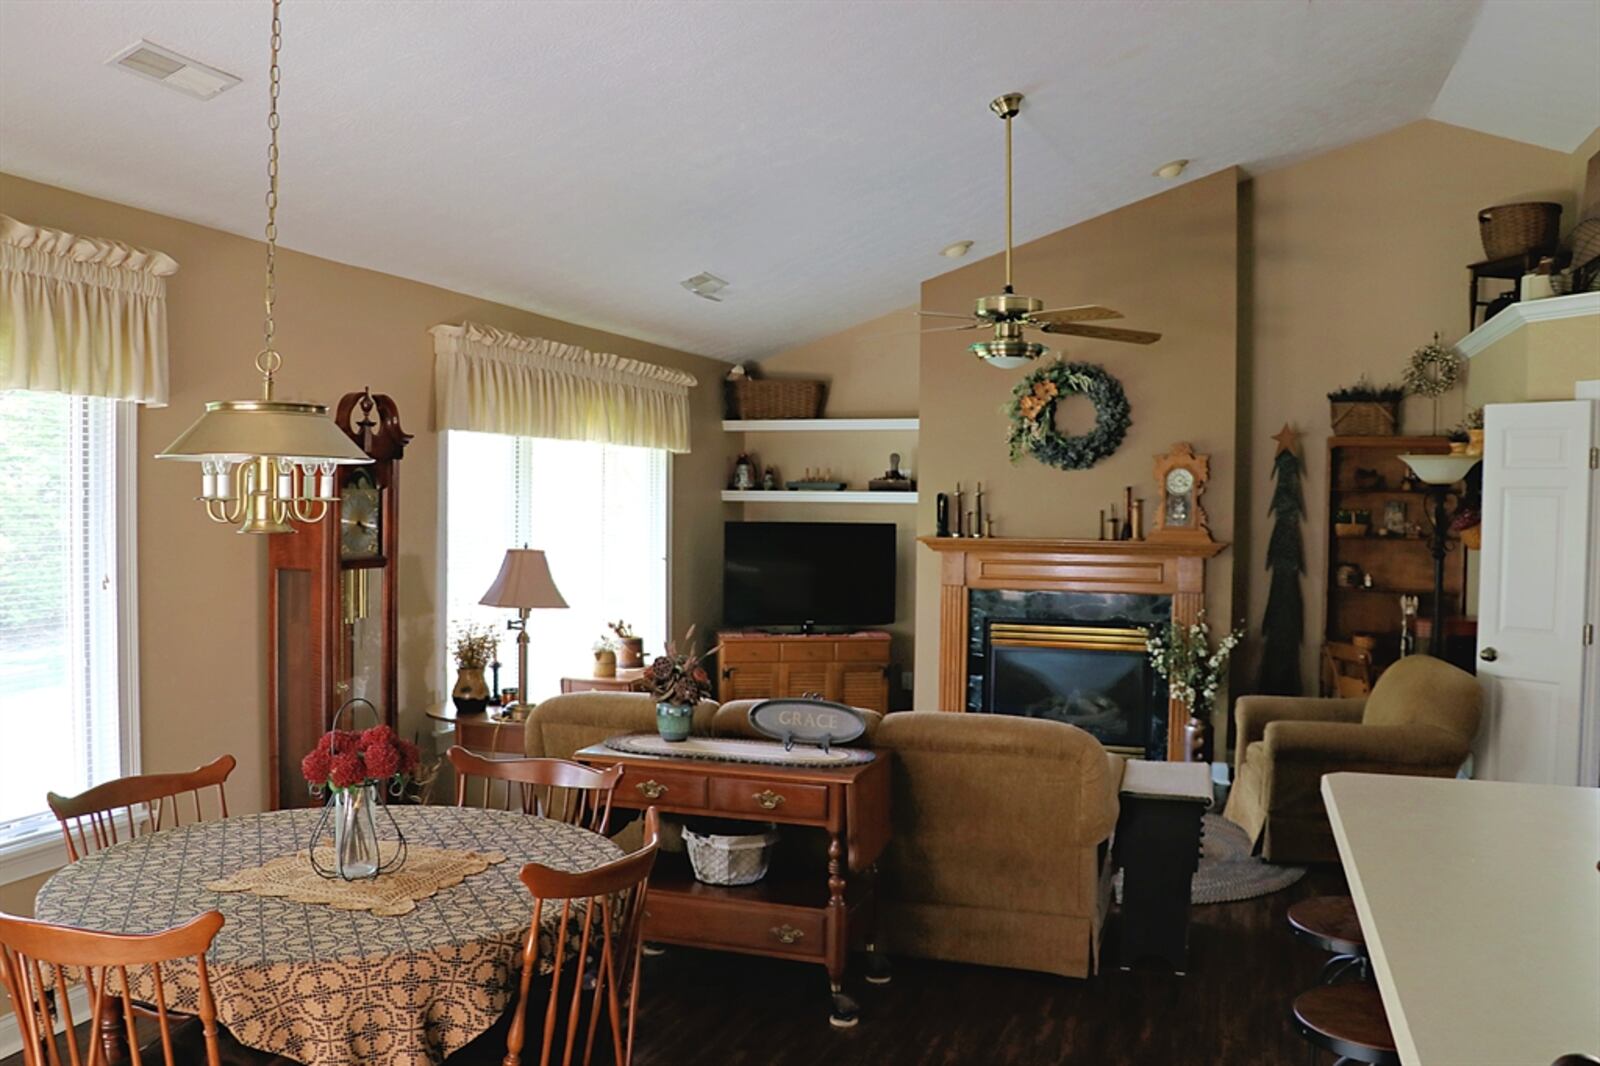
{"points": [[1533, 590]]}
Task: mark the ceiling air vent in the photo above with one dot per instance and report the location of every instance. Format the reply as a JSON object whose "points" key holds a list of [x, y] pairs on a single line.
{"points": [[706, 286], [173, 70]]}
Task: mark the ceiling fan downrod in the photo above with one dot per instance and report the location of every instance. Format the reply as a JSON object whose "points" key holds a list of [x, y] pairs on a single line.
{"points": [[1007, 107]]}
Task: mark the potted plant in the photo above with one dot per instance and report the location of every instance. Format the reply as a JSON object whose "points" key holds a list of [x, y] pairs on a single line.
{"points": [[678, 680], [474, 649], [629, 648], [1365, 409], [1193, 668], [605, 657]]}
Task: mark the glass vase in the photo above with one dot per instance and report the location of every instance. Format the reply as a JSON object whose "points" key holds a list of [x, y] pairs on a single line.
{"points": [[355, 833]]}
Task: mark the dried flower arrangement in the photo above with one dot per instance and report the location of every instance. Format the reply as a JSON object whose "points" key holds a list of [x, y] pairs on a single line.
{"points": [[680, 677], [1193, 668], [476, 646], [1364, 391]]}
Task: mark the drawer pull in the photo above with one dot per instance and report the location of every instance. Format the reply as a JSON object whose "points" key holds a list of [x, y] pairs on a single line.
{"points": [[769, 799], [788, 934], [651, 789]]}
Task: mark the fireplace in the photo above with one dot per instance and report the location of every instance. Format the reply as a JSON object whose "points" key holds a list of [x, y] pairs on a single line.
{"points": [[1097, 678], [1126, 585]]}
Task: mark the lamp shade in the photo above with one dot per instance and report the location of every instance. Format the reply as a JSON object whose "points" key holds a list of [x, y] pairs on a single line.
{"points": [[238, 430], [524, 581], [1441, 469]]}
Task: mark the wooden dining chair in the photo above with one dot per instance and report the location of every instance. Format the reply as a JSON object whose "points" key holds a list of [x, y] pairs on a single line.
{"points": [[601, 926], [89, 820], [39, 961], [550, 788], [1346, 670]]}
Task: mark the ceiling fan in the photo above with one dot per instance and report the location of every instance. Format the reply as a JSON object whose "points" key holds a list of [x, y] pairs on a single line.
{"points": [[1009, 314]]}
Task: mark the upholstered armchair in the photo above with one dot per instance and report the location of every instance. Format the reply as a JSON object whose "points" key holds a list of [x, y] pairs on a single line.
{"points": [[1420, 719]]}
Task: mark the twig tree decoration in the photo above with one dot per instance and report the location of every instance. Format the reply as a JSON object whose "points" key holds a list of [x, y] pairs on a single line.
{"points": [[1283, 623], [1433, 371]]}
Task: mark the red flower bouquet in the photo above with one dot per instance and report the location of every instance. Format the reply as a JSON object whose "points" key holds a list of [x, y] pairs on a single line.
{"points": [[345, 759]]}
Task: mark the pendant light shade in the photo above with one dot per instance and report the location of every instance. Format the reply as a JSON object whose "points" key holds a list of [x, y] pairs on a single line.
{"points": [[236, 430]]}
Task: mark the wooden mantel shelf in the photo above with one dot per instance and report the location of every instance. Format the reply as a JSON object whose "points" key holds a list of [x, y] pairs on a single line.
{"points": [[1174, 568], [1171, 549]]}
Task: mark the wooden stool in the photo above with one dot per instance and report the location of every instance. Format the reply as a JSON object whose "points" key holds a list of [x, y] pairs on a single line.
{"points": [[1347, 1020], [1330, 923]]}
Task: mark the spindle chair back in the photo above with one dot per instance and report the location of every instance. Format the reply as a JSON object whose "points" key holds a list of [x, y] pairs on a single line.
{"points": [[128, 807], [550, 788]]}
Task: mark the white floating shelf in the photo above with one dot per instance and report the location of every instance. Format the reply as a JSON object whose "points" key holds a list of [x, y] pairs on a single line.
{"points": [[804, 496], [818, 425]]}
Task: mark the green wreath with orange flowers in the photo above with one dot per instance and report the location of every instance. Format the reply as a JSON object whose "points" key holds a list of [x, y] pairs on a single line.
{"points": [[1031, 413]]}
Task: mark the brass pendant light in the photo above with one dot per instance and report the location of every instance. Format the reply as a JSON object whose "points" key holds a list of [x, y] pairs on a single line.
{"points": [[266, 462]]}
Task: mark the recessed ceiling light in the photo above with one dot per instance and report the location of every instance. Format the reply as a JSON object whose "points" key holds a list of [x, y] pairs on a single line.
{"points": [[705, 285], [1172, 169], [956, 249], [166, 67]]}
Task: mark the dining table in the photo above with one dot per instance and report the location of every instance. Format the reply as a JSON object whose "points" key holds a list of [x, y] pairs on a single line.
{"points": [[315, 983], [1480, 905]]}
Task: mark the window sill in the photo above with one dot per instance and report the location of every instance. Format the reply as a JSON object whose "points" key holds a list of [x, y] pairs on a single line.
{"points": [[35, 853]]}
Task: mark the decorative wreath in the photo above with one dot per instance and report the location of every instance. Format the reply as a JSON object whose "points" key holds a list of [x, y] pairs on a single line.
{"points": [[1433, 370], [1032, 415]]}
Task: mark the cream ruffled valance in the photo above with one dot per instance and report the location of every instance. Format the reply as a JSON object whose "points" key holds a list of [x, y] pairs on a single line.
{"points": [[82, 315], [490, 381]]}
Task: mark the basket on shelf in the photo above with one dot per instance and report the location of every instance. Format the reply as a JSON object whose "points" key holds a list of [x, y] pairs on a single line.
{"points": [[731, 857], [1346, 530], [1365, 418], [777, 399], [1517, 229]]}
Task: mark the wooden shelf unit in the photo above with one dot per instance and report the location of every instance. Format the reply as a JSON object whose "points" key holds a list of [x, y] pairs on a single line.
{"points": [[849, 668], [1398, 565]]}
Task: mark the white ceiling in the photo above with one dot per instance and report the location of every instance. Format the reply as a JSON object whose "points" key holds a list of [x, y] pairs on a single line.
{"points": [[580, 159]]}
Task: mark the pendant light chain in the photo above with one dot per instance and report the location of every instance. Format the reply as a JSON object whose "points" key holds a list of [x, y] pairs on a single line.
{"points": [[269, 360]]}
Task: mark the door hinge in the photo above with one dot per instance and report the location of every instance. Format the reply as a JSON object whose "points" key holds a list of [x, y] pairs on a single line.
{"points": [[1588, 634], [1594, 458]]}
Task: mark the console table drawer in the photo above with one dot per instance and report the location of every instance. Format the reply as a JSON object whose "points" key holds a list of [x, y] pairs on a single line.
{"points": [[863, 651], [644, 785], [750, 651], [769, 799], [765, 929], [807, 652]]}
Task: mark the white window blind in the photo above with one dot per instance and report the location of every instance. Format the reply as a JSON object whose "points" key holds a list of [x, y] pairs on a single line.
{"points": [[63, 726], [598, 511]]}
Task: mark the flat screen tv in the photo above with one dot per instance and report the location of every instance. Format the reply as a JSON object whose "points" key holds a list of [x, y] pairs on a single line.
{"points": [[808, 574]]}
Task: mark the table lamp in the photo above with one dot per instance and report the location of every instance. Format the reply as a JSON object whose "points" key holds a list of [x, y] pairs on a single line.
{"points": [[1439, 472], [524, 582]]}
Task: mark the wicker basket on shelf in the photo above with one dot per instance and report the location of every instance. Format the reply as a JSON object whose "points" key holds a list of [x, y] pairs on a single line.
{"points": [[1517, 229], [777, 399], [1365, 418]]}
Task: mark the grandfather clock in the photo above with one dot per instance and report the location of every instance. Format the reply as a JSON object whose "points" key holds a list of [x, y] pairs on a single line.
{"points": [[331, 599]]}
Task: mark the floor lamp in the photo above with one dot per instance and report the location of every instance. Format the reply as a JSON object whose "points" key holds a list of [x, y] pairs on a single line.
{"points": [[1439, 472], [524, 583]]}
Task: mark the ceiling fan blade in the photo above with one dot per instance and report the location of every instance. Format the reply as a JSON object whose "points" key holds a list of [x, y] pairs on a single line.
{"points": [[1086, 313], [1104, 333], [942, 314]]}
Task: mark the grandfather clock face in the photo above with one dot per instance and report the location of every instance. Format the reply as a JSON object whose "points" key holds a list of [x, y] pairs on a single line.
{"points": [[360, 519]]}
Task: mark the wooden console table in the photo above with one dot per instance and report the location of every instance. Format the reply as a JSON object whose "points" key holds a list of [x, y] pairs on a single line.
{"points": [[805, 911]]}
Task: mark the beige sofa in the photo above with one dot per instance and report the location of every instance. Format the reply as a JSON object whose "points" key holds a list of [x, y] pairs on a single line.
{"points": [[1001, 826], [1420, 719]]}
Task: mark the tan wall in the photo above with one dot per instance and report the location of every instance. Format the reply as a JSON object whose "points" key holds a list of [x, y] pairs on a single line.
{"points": [[871, 370], [202, 589], [1356, 258], [1539, 361], [1169, 264], [1585, 180]]}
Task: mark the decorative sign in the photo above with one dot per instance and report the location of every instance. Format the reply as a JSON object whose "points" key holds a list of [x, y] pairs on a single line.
{"points": [[807, 721]]}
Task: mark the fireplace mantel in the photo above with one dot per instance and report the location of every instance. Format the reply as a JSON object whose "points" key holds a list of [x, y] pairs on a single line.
{"points": [[1163, 568]]}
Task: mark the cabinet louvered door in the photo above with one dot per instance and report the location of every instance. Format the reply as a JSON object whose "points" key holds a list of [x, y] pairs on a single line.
{"points": [[863, 685], [749, 681], [800, 679]]}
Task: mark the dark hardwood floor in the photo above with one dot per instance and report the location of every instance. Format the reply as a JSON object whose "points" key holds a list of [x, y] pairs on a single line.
{"points": [[1231, 1009]]}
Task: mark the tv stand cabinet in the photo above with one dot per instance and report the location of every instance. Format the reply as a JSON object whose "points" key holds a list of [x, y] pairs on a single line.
{"points": [[848, 668]]}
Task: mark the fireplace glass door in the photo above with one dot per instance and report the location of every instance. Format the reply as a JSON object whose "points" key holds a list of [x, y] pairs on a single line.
{"points": [[1096, 678]]}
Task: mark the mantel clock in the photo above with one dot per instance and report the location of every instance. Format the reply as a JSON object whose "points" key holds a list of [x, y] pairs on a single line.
{"points": [[1181, 477], [331, 599]]}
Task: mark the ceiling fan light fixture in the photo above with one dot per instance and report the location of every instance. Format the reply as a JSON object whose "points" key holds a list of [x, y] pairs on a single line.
{"points": [[1008, 354]]}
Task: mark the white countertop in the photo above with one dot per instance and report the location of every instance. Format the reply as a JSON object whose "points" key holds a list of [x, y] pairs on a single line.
{"points": [[1480, 904]]}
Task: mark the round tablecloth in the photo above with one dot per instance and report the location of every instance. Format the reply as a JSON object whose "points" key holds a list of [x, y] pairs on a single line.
{"points": [[330, 987]]}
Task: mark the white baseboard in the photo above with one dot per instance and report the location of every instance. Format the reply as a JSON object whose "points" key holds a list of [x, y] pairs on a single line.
{"points": [[11, 1029]]}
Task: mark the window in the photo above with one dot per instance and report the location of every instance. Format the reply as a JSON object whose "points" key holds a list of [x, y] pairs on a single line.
{"points": [[598, 511], [65, 669]]}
